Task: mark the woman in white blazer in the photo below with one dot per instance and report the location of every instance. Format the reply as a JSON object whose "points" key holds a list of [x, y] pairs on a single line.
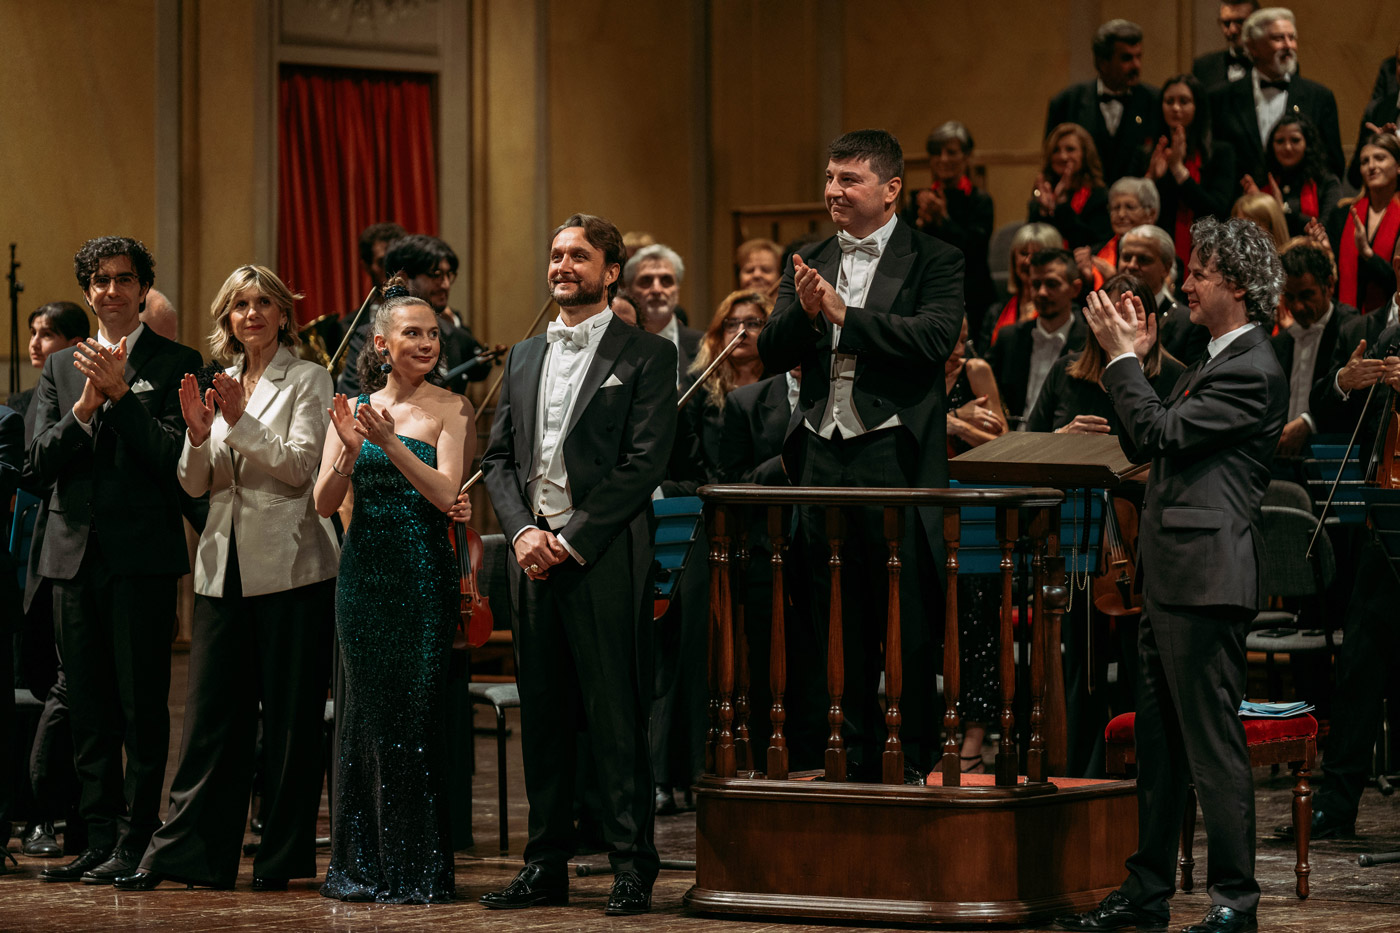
{"points": [[264, 606]]}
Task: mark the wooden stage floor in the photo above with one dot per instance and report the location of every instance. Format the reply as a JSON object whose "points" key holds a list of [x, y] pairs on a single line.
{"points": [[1345, 897]]}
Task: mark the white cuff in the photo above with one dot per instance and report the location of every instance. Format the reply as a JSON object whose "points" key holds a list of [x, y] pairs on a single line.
{"points": [[1308, 420], [1130, 355], [574, 554], [1337, 384], [85, 425], [521, 532]]}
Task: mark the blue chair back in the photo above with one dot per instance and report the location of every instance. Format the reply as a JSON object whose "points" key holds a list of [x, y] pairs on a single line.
{"points": [[677, 527], [1081, 529]]}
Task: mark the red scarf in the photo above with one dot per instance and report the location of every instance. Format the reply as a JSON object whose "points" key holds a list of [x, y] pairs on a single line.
{"points": [[1184, 215], [1109, 254], [1010, 313], [1080, 198], [1307, 200], [963, 184], [1349, 263]]}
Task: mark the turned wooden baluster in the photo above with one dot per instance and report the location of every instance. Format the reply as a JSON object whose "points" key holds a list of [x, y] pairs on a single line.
{"points": [[724, 662], [1056, 727], [712, 524], [777, 649], [743, 751], [950, 764], [1007, 764], [1035, 754], [892, 761], [835, 653]]}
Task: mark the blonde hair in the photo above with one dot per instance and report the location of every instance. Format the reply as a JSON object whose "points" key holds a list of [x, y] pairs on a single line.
{"points": [[721, 381], [1265, 212], [222, 343], [1041, 236]]}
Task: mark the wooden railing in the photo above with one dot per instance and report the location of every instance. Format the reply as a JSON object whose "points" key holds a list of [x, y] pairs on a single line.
{"points": [[728, 749]]}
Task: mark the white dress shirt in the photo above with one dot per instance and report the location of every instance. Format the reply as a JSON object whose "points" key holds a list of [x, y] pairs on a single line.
{"points": [[852, 286], [794, 389], [1112, 110], [566, 365], [1046, 347], [1300, 380], [1269, 105], [1212, 349], [103, 342]]}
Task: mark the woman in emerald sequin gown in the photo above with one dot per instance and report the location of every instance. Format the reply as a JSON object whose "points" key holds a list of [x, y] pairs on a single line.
{"points": [[404, 445]]}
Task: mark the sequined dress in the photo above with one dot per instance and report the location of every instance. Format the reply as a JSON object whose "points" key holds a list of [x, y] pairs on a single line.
{"points": [[395, 605]]}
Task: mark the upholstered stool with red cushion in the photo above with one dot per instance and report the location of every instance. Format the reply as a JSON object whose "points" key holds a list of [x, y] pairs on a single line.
{"points": [[1291, 741]]}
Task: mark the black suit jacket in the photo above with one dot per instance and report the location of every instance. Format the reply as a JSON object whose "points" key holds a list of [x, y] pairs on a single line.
{"points": [[1234, 121], [1209, 197], [1141, 121], [1282, 342], [756, 419], [968, 226], [1334, 413], [616, 444], [118, 482], [1213, 68], [913, 312], [687, 347], [1010, 359], [11, 468], [1210, 444]]}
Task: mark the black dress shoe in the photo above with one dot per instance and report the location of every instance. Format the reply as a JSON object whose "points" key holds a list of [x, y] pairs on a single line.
{"points": [[141, 880], [533, 887], [1225, 920], [665, 802], [628, 896], [41, 842], [73, 871], [1325, 825], [1114, 913], [123, 862], [269, 884]]}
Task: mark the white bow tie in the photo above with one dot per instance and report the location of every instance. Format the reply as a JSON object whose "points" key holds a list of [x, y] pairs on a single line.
{"points": [[869, 245], [576, 337]]}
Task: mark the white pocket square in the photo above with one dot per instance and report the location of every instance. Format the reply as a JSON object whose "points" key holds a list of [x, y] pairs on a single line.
{"points": [[612, 381], [141, 385]]}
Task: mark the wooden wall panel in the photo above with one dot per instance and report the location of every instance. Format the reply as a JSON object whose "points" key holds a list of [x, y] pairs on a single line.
{"points": [[79, 116]]}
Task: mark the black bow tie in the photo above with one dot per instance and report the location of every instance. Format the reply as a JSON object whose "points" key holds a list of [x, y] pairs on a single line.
{"points": [[1107, 98], [1280, 85]]}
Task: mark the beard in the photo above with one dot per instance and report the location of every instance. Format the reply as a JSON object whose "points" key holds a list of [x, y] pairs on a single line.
{"points": [[1285, 63], [587, 293]]}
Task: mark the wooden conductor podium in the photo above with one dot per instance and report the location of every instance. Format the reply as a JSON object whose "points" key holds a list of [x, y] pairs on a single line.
{"points": [[1022, 845]]}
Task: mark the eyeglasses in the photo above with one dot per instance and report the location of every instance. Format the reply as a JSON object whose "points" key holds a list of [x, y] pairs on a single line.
{"points": [[748, 323], [441, 275], [103, 282]]}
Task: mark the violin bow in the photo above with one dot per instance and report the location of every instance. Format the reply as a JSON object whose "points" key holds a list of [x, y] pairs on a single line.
{"points": [[349, 331], [714, 364]]}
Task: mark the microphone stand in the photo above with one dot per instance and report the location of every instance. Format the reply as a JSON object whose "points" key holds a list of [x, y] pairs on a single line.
{"points": [[16, 286]]}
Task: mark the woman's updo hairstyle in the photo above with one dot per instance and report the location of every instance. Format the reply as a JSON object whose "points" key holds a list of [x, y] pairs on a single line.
{"points": [[372, 377]]}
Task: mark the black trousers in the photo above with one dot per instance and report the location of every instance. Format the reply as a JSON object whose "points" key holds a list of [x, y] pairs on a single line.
{"points": [[51, 774], [887, 458], [1191, 678], [1365, 671], [577, 665], [114, 636], [274, 649]]}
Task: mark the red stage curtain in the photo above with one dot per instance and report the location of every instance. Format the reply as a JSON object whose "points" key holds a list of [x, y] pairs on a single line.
{"points": [[354, 148]]}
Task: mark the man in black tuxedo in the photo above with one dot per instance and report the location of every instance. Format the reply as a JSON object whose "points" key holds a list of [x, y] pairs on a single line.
{"points": [[581, 438], [1366, 357], [1210, 443], [1245, 111], [1025, 352], [653, 278], [1231, 63], [1149, 253], [1305, 348], [1117, 109], [756, 419], [11, 466], [107, 437], [870, 315]]}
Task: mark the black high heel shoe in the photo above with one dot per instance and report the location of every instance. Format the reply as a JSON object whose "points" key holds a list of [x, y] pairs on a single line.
{"points": [[141, 881]]}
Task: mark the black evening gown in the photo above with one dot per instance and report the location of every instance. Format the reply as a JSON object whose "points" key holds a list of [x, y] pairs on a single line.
{"points": [[395, 608]]}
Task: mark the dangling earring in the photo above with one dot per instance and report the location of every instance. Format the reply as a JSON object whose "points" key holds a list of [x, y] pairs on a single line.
{"points": [[385, 367]]}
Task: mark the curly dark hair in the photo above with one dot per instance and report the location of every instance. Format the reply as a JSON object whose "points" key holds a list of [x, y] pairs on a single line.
{"points": [[1314, 164], [372, 379], [89, 257], [1245, 256]]}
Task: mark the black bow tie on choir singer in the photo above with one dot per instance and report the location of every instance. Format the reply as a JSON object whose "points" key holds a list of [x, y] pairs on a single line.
{"points": [[1280, 84], [849, 244], [1107, 98], [576, 336]]}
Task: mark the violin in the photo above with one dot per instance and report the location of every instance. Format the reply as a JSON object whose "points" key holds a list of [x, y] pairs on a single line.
{"points": [[1113, 587], [476, 621]]}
